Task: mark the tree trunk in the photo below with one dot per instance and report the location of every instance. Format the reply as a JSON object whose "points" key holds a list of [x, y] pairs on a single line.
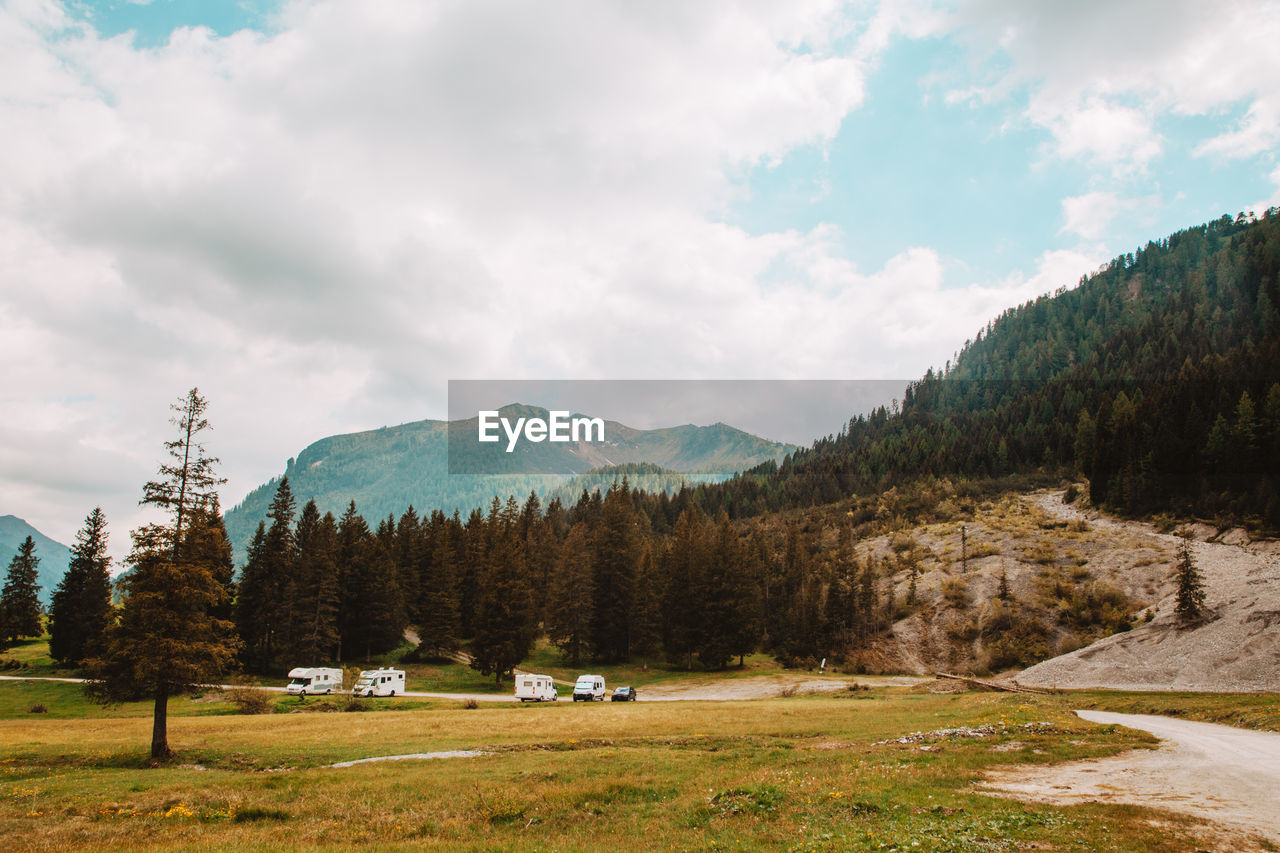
{"points": [[160, 727]]}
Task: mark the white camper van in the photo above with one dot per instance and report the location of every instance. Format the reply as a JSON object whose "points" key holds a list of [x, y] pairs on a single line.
{"points": [[379, 682], [304, 680], [589, 688], [535, 688]]}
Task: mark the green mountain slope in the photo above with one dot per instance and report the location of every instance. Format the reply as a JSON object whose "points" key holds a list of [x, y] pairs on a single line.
{"points": [[1157, 378], [387, 470], [54, 556]]}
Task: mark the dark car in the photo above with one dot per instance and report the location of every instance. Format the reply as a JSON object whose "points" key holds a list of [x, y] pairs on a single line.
{"points": [[623, 694]]}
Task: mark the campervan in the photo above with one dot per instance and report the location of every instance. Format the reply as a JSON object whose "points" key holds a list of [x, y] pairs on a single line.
{"points": [[379, 682], [535, 688], [304, 680], [589, 688]]}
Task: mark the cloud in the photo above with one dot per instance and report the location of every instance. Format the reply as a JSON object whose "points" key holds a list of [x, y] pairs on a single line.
{"points": [[1090, 215], [1100, 75]]}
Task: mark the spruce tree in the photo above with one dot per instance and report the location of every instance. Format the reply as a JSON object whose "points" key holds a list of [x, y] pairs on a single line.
{"points": [[20, 600], [81, 609], [438, 588], [167, 641], [1190, 596], [313, 606], [504, 628], [571, 601]]}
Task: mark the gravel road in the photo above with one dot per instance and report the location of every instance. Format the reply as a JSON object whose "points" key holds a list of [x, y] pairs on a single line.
{"points": [[1228, 776]]}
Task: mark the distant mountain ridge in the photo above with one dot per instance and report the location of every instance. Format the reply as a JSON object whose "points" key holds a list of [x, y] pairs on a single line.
{"points": [[54, 556], [389, 469]]}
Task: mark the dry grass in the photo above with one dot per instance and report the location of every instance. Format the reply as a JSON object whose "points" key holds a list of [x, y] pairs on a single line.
{"points": [[810, 772]]}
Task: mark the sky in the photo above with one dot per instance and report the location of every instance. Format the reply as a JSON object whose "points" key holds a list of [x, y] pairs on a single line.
{"points": [[319, 212]]}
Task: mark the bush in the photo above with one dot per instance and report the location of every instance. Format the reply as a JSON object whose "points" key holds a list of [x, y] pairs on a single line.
{"points": [[354, 704], [38, 709], [251, 701], [956, 592], [471, 704], [1072, 493]]}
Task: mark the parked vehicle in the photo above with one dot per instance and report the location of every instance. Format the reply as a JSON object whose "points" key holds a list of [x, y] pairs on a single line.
{"points": [[535, 688], [379, 682], [589, 688], [313, 680], [623, 694]]}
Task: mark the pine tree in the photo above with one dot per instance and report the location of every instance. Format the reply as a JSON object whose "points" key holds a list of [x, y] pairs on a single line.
{"points": [[20, 601], [1190, 596], [167, 642], [571, 601], [81, 609], [505, 628], [646, 617], [371, 612], [313, 607], [615, 555], [252, 616], [438, 587]]}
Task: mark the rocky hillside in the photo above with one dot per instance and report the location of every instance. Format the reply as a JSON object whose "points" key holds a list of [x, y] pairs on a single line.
{"points": [[1236, 649]]}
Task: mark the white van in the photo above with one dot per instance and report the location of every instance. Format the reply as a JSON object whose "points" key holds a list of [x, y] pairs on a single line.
{"points": [[535, 688], [379, 682], [304, 680], [589, 688]]}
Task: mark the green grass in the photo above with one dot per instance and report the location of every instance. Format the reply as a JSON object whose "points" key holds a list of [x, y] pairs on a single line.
{"points": [[30, 656], [805, 773]]}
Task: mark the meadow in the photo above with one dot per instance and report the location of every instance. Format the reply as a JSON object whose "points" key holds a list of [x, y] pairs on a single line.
{"points": [[815, 772]]}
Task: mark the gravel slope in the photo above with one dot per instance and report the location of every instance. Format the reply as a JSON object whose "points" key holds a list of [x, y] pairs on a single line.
{"points": [[1236, 650]]}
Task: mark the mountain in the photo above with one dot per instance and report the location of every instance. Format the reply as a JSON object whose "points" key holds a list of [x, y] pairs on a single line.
{"points": [[389, 469], [1157, 378], [54, 556]]}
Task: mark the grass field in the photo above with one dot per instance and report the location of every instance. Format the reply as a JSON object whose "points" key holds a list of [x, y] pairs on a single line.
{"points": [[802, 773]]}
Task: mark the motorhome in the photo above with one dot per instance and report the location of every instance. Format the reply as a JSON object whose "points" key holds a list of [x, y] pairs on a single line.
{"points": [[379, 682], [313, 680], [589, 688], [535, 688]]}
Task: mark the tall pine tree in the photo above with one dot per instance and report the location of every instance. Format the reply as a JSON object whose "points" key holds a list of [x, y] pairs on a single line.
{"points": [[167, 641], [81, 608], [20, 600]]}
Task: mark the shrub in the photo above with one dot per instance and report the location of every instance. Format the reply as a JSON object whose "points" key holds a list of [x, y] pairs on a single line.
{"points": [[1071, 494], [251, 701], [38, 709], [470, 704], [956, 592]]}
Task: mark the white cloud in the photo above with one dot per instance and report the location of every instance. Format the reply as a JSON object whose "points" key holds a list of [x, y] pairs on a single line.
{"points": [[1099, 74], [319, 227], [1090, 215]]}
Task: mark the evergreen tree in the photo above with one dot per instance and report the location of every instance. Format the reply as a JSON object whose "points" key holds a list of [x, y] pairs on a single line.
{"points": [[1190, 596], [81, 607], [313, 607], [20, 601], [438, 587], [571, 601], [615, 555], [646, 613], [505, 629], [167, 642], [252, 614]]}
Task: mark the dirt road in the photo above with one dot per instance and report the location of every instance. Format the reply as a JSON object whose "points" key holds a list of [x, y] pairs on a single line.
{"points": [[1216, 773]]}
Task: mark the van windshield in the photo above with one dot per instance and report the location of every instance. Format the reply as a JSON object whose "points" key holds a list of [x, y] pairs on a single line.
{"points": [[365, 681], [303, 681]]}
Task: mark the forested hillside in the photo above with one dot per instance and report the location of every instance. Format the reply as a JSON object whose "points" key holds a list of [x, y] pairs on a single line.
{"points": [[1155, 378]]}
